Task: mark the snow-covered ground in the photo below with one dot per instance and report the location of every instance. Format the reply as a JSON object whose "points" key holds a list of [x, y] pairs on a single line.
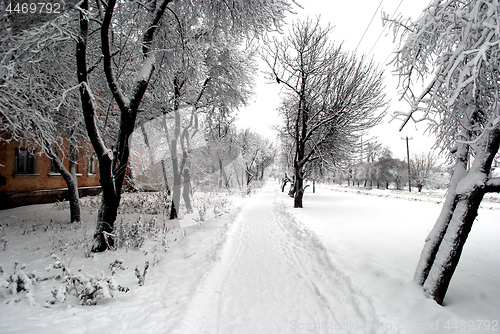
{"points": [[342, 264]]}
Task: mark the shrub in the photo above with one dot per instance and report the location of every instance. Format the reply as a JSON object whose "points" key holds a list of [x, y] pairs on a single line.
{"points": [[18, 282], [142, 276], [87, 288]]}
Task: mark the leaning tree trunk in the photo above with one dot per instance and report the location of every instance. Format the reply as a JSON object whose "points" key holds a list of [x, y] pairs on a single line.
{"points": [[69, 177], [74, 196], [437, 233], [470, 192]]}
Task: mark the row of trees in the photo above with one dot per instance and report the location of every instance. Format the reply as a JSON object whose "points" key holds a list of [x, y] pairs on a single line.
{"points": [[235, 158], [330, 99], [425, 171], [454, 47], [134, 62]]}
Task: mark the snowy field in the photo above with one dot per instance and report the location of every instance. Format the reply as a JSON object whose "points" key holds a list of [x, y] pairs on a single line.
{"points": [[343, 264]]}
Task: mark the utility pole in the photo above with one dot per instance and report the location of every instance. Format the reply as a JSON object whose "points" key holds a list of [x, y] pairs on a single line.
{"points": [[408, 159]]}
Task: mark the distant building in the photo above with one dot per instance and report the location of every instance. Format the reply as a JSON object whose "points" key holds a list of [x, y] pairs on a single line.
{"points": [[28, 177]]}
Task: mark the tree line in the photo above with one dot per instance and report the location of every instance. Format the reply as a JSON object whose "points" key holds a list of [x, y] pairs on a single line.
{"points": [[92, 76], [119, 66]]}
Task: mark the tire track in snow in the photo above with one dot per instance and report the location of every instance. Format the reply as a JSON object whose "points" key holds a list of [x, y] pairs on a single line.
{"points": [[275, 276]]}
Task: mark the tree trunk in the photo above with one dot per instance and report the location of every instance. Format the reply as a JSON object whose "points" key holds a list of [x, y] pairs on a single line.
{"points": [[248, 174], [284, 185], [106, 216], [221, 169], [451, 247], [222, 175], [236, 175], [176, 189], [186, 188], [112, 166], [165, 179], [436, 235], [176, 196], [470, 192], [299, 187], [69, 177], [176, 169], [74, 196]]}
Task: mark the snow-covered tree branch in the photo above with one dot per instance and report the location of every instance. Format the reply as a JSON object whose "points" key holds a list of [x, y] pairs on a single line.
{"points": [[454, 49]]}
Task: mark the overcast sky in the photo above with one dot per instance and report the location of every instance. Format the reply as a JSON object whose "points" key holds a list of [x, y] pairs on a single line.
{"points": [[350, 20]]}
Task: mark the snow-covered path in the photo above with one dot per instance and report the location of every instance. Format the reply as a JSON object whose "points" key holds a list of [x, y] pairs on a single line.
{"points": [[342, 264], [274, 276]]}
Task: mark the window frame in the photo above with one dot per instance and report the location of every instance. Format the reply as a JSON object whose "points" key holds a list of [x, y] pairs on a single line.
{"points": [[25, 159], [91, 165]]}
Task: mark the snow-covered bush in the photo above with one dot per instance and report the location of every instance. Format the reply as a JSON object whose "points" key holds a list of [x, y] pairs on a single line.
{"points": [[16, 283], [154, 203], [133, 235], [87, 288], [116, 264], [216, 202]]}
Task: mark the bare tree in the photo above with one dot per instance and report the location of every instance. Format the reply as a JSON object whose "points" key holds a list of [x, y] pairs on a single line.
{"points": [[454, 46], [423, 166], [40, 108], [331, 96], [257, 154], [373, 149], [113, 162]]}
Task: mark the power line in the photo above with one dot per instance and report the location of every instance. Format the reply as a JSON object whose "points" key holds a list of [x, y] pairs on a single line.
{"points": [[375, 13], [392, 17], [396, 47]]}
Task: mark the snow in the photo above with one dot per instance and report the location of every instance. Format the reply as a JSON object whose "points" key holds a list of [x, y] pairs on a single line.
{"points": [[146, 68], [342, 264], [469, 183]]}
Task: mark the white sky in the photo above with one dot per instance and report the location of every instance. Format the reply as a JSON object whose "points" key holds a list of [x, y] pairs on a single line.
{"points": [[350, 19]]}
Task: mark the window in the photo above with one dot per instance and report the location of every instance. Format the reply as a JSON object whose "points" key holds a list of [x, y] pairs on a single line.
{"points": [[91, 166], [24, 162]]}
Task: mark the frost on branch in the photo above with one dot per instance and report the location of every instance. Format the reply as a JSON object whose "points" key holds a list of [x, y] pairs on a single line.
{"points": [[452, 51]]}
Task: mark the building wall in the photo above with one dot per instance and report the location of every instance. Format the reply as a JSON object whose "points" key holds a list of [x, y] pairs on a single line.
{"points": [[24, 185]]}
